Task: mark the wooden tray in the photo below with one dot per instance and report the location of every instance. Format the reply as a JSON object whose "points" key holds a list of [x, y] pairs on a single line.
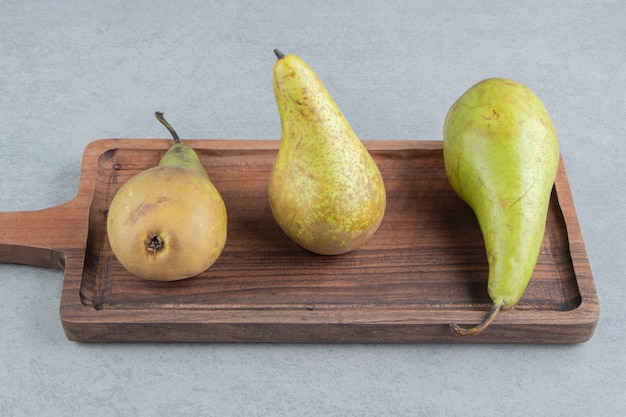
{"points": [[424, 268]]}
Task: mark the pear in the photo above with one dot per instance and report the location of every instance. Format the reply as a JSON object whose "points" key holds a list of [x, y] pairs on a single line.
{"points": [[325, 190], [168, 222], [501, 156]]}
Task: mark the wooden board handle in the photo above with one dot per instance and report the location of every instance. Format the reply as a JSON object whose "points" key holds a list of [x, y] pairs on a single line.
{"points": [[43, 237]]}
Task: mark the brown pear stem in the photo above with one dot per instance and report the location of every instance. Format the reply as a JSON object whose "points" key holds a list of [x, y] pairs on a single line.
{"points": [[279, 54], [160, 118], [473, 331]]}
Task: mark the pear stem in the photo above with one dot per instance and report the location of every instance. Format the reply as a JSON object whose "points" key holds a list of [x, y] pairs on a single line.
{"points": [[473, 331], [279, 54], [160, 118]]}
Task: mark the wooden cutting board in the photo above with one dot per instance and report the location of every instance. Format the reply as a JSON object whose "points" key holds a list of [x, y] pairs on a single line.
{"points": [[424, 268]]}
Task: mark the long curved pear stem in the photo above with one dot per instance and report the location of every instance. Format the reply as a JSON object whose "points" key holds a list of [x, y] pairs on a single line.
{"points": [[279, 54], [473, 331], [160, 118]]}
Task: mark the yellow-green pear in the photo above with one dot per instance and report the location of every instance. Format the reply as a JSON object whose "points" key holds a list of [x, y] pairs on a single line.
{"points": [[501, 156], [168, 222], [325, 190]]}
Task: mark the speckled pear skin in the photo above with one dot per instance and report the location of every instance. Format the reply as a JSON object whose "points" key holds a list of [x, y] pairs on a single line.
{"points": [[325, 190], [168, 222], [501, 156]]}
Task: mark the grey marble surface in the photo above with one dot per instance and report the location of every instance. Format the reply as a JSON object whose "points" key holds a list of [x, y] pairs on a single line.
{"points": [[72, 72]]}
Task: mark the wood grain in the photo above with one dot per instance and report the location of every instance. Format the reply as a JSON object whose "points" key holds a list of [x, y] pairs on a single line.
{"points": [[424, 268]]}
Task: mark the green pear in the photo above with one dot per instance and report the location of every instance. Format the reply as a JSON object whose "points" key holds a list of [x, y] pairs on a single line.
{"points": [[168, 222], [325, 190], [501, 156]]}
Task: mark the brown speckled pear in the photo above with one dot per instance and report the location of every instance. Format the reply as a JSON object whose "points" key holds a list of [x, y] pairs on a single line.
{"points": [[325, 190], [501, 156], [168, 222]]}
